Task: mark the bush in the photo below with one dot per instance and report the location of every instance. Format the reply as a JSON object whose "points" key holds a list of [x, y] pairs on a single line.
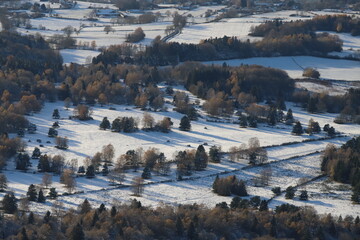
{"points": [[311, 73]]}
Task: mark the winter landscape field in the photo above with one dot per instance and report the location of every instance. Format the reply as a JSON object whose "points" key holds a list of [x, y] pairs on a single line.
{"points": [[292, 159]]}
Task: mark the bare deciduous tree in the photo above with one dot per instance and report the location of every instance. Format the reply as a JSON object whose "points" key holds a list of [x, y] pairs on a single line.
{"points": [[108, 152], [137, 186], [47, 180], [68, 179]]}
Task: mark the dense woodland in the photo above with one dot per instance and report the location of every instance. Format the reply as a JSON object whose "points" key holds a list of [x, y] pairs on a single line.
{"points": [[234, 221], [333, 23], [343, 165]]}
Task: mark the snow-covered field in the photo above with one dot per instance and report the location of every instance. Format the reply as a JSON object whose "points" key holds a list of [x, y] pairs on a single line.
{"points": [[239, 27], [332, 69], [290, 164], [78, 56]]}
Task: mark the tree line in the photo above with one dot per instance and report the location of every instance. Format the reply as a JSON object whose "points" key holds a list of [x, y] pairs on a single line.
{"points": [[240, 219], [343, 165]]}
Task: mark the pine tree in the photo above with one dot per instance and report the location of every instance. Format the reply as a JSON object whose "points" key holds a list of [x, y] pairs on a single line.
{"points": [[263, 205], [105, 124], [297, 129], [101, 208], [23, 234], [31, 193], [90, 171], [3, 182], [289, 119], [56, 114], [179, 227], [95, 218], [252, 120], [185, 124], [36, 153], [85, 207], [191, 233], [243, 121], [9, 203], [44, 164], [31, 218], [355, 197], [47, 217], [273, 227], [41, 197], [303, 195], [77, 233], [272, 117], [52, 193], [331, 132], [146, 173], [23, 162], [105, 170], [201, 158], [290, 192], [52, 132], [113, 211], [214, 154]]}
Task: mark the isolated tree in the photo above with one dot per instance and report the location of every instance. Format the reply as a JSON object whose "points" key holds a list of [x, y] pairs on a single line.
{"points": [[148, 121], [9, 203], [41, 198], [297, 129], [56, 114], [201, 158], [105, 124], [68, 179], [179, 21], [82, 112], [185, 124], [108, 29], [62, 142], [164, 125], [47, 180], [311, 73], [135, 36], [3, 182], [303, 195], [53, 194], [331, 132], [276, 191], [214, 154], [68, 31], [52, 132], [289, 118], [90, 171], [108, 152], [290, 192], [137, 186], [32, 193]]}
